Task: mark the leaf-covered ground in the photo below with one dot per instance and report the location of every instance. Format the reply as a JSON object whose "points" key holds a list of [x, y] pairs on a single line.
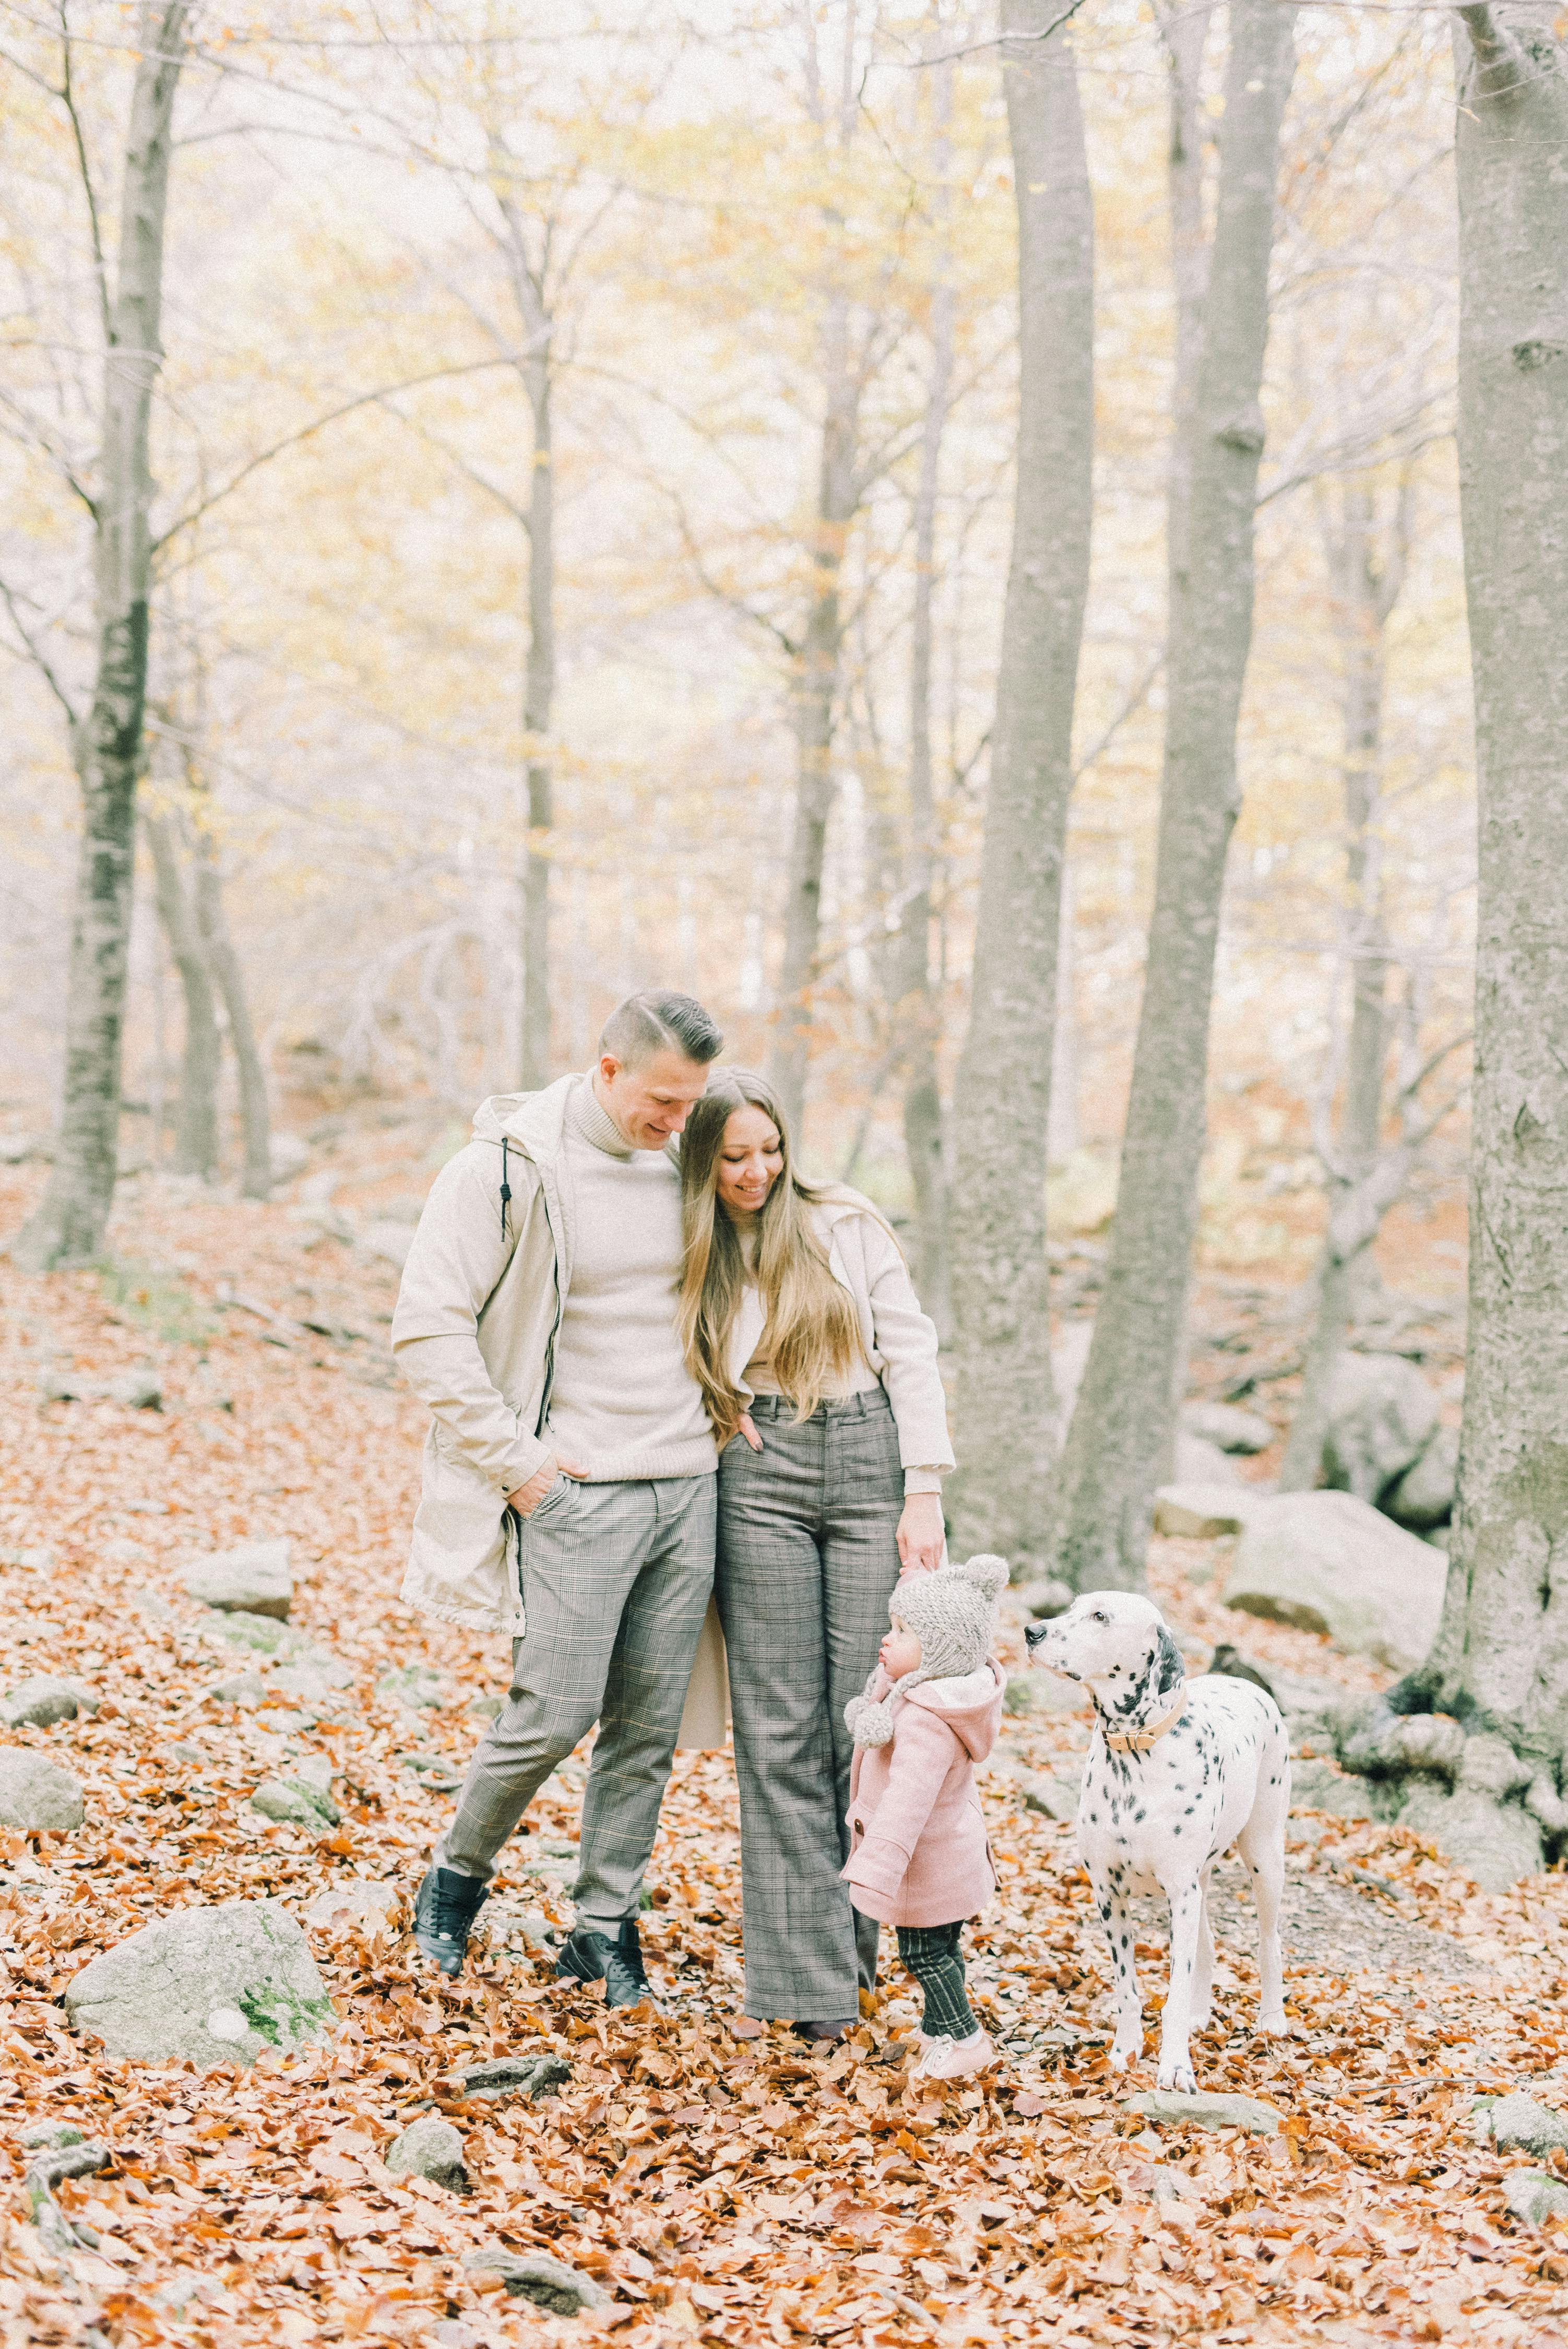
{"points": [[722, 2191]]}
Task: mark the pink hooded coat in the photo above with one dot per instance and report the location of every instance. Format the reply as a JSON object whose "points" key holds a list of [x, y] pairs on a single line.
{"points": [[918, 1849]]}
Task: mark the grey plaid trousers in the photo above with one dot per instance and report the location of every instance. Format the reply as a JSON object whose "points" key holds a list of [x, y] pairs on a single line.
{"points": [[807, 1557], [615, 1583]]}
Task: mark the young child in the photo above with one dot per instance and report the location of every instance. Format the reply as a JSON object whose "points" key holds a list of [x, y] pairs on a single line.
{"points": [[919, 1858]]}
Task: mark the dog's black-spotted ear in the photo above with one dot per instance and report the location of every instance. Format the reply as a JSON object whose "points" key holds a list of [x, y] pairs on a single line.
{"points": [[1169, 1665]]}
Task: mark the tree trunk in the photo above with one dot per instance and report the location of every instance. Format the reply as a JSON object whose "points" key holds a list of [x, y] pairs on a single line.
{"points": [[1186, 33], [918, 1012], [1121, 1429], [539, 697], [1003, 1401], [1366, 592], [255, 1118], [1503, 1649], [196, 1128], [816, 699], [69, 1226]]}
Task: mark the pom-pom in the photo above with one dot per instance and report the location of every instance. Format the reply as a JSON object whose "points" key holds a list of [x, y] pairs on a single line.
{"points": [[872, 1724], [988, 1574]]}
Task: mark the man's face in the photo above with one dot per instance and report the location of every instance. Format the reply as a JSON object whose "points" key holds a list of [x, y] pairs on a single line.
{"points": [[650, 1103]]}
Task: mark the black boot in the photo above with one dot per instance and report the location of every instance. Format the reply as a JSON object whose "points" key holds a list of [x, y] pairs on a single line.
{"points": [[589, 1956], [444, 1910]]}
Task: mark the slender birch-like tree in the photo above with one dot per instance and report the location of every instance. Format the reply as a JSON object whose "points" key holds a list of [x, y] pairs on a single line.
{"points": [[1002, 1343], [1503, 1653], [1122, 1425], [106, 738]]}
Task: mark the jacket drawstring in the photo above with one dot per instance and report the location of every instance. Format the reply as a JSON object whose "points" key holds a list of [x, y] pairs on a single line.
{"points": [[505, 1188]]}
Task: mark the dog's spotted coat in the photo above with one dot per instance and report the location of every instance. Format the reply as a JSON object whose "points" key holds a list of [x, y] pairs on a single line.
{"points": [[1219, 1775]]}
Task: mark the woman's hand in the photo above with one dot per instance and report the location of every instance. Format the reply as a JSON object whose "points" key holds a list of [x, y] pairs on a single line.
{"points": [[746, 1426], [921, 1533]]}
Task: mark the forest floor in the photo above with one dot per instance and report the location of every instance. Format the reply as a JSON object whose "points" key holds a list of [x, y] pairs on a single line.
{"points": [[721, 2190]]}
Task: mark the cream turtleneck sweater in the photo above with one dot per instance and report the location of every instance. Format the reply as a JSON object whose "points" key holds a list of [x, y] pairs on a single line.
{"points": [[622, 1403]]}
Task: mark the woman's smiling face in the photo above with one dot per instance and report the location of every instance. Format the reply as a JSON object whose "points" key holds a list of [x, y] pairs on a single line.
{"points": [[751, 1160]]}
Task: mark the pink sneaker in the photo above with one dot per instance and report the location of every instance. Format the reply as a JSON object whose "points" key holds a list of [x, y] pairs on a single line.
{"points": [[952, 2059]]}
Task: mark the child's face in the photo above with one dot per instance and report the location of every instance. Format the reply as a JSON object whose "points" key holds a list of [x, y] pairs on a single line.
{"points": [[899, 1653]]}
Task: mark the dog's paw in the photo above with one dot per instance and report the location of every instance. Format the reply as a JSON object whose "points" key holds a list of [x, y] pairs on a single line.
{"points": [[1275, 2024], [1121, 2056], [1178, 2078]]}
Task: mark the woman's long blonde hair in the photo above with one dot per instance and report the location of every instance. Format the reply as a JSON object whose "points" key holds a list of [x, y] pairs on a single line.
{"points": [[811, 1318]]}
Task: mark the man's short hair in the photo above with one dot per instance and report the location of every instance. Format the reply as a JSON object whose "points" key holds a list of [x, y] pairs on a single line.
{"points": [[656, 1019]]}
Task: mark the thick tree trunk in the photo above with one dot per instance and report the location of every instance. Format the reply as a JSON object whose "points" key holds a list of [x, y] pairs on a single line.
{"points": [[196, 1127], [1003, 1402], [816, 704], [1186, 33], [539, 698], [1503, 1649], [222, 960], [70, 1223], [918, 1011], [1366, 592], [1122, 1426]]}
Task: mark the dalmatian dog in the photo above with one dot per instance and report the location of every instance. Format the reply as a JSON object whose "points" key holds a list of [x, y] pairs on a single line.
{"points": [[1177, 1772]]}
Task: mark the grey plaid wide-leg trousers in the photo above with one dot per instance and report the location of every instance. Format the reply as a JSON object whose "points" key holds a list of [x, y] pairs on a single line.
{"points": [[807, 1557], [615, 1583]]}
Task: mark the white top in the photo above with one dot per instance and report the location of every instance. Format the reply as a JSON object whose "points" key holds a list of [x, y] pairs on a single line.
{"points": [[898, 1341], [623, 1402], [759, 1375]]}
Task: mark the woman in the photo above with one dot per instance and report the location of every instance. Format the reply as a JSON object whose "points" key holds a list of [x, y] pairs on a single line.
{"points": [[819, 1369]]}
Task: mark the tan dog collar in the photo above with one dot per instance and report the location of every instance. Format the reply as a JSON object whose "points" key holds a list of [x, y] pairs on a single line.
{"points": [[1140, 1740]]}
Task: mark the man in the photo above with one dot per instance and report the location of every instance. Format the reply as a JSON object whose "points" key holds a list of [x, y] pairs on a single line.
{"points": [[569, 1475]]}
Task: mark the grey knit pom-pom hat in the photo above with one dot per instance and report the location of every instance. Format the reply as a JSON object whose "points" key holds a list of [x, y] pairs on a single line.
{"points": [[953, 1614]]}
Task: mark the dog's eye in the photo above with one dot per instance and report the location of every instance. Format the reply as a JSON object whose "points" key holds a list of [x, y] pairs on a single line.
{"points": [[1100, 1616]]}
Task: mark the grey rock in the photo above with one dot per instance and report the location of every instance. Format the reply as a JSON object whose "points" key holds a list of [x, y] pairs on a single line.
{"points": [[288, 1155], [415, 1686], [548, 2282], [36, 1795], [1316, 1786], [486, 1708], [136, 1390], [513, 2075], [1227, 1426], [291, 1802], [1041, 1791], [1204, 1512], [1533, 2196], [184, 1752], [153, 1607], [430, 2148], [314, 1770], [253, 1576], [206, 1986], [1046, 1599], [1490, 1764], [1381, 1416], [353, 1901], [262, 1635], [388, 1241], [1424, 1496], [309, 1683], [1518, 2124], [247, 1688], [38, 1703], [50, 2136], [1199, 1462], [1329, 1562], [1433, 1741], [1496, 1843], [1205, 2109]]}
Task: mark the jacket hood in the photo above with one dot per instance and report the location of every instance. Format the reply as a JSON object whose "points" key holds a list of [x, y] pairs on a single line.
{"points": [[532, 1121], [970, 1703]]}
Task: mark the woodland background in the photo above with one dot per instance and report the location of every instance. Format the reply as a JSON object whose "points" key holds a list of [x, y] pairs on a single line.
{"points": [[606, 503]]}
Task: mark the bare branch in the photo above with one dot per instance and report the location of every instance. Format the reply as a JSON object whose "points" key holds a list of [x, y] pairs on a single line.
{"points": [[38, 657]]}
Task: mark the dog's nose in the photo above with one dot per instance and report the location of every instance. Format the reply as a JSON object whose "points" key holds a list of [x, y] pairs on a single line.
{"points": [[1035, 1634]]}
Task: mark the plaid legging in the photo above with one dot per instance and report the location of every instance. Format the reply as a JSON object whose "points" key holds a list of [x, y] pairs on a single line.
{"points": [[932, 1954]]}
